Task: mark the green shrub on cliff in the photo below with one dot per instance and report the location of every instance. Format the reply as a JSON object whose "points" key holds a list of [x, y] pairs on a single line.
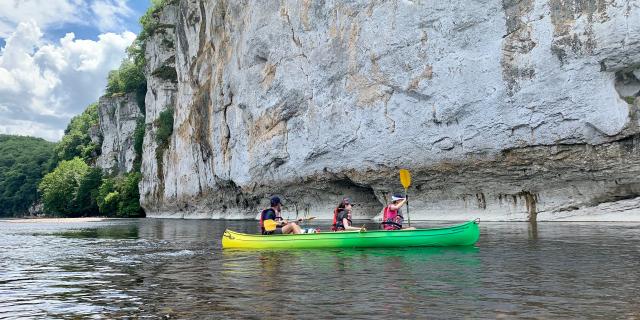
{"points": [[76, 141], [149, 21], [23, 162], [138, 139], [128, 78], [164, 127]]}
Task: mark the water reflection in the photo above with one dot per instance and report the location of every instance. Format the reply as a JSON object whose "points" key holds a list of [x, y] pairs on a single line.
{"points": [[533, 230], [119, 232], [328, 276]]}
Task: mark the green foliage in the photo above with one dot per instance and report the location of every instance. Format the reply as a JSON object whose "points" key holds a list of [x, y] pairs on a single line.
{"points": [[85, 200], [120, 197], [129, 205], [165, 127], [23, 162], [129, 78], [74, 189], [60, 187], [166, 73], [630, 99], [76, 141], [138, 139], [149, 21], [107, 198]]}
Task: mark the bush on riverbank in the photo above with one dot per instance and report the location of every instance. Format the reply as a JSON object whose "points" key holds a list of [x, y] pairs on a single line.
{"points": [[71, 189], [119, 196]]}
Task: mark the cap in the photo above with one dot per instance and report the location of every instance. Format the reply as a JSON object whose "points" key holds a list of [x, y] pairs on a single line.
{"points": [[275, 201], [397, 197]]}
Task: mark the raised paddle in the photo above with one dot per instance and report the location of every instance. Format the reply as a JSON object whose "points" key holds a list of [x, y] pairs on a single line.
{"points": [[405, 179]]}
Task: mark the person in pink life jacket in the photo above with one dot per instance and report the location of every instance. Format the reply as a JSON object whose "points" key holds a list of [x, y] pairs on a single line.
{"points": [[392, 216]]}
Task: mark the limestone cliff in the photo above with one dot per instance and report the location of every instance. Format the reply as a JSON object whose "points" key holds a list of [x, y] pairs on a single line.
{"points": [[118, 116], [505, 110]]}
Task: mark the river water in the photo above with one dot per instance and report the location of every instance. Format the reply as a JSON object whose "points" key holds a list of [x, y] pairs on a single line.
{"points": [[175, 269]]}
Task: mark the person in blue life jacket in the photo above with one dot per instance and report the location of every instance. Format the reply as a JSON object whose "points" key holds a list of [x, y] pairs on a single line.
{"points": [[342, 216], [274, 214]]}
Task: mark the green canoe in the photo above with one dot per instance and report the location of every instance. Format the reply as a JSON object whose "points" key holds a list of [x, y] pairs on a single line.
{"points": [[465, 234]]}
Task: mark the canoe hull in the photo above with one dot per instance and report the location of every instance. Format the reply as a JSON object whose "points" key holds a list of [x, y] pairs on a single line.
{"points": [[465, 234]]}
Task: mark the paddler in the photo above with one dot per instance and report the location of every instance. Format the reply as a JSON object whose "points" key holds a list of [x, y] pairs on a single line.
{"points": [[342, 216], [271, 221], [392, 217]]}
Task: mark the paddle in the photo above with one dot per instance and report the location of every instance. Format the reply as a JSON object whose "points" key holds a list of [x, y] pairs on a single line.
{"points": [[405, 179], [270, 224]]}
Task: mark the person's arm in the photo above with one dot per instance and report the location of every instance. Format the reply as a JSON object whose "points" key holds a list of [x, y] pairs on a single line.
{"points": [[347, 226], [395, 207]]}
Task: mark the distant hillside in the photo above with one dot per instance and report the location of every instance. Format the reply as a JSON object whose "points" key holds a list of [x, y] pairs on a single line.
{"points": [[23, 162]]}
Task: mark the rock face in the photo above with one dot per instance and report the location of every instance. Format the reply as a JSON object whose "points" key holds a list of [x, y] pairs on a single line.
{"points": [[504, 110], [118, 117]]}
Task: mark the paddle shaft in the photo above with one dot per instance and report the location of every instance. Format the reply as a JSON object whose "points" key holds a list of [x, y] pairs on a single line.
{"points": [[406, 195]]}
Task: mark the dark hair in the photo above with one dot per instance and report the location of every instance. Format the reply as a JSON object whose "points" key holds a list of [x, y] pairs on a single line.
{"points": [[275, 201], [343, 203]]}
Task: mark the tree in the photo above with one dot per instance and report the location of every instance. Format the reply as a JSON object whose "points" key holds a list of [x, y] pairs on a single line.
{"points": [[88, 192], [129, 205], [119, 196], [59, 188], [107, 197], [23, 162]]}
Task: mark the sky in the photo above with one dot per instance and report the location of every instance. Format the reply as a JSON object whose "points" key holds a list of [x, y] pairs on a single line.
{"points": [[55, 56]]}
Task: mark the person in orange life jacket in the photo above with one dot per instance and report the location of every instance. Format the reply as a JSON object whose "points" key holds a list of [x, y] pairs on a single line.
{"points": [[392, 218], [342, 216], [273, 213]]}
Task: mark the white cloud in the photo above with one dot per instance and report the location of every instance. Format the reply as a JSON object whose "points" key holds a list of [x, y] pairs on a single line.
{"points": [[106, 15], [45, 12], [110, 13], [42, 85]]}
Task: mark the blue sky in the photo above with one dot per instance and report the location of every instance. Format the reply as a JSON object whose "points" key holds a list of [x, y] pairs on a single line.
{"points": [[55, 56]]}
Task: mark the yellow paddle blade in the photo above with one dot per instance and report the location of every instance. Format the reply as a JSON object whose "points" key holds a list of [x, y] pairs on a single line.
{"points": [[405, 178], [269, 225]]}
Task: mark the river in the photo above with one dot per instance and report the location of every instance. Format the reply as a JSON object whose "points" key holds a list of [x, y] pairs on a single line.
{"points": [[176, 269]]}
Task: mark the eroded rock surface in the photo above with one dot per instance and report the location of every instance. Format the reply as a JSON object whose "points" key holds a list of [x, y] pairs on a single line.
{"points": [[118, 116], [504, 110]]}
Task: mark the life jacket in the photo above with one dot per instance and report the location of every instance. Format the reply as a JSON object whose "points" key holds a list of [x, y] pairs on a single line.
{"points": [[262, 219], [335, 220], [337, 226], [391, 219]]}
